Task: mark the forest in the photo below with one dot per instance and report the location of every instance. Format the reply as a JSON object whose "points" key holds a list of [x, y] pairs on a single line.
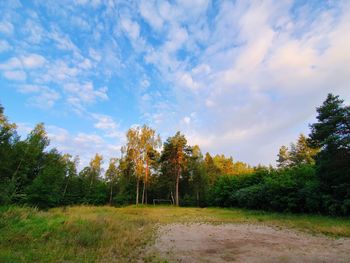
{"points": [[312, 174]]}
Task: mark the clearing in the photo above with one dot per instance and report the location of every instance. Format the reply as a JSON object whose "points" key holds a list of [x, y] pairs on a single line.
{"points": [[169, 234], [246, 243]]}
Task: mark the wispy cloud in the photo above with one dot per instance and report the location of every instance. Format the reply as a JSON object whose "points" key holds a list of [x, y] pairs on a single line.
{"points": [[6, 27], [18, 75], [83, 144], [238, 77], [40, 96], [4, 46]]}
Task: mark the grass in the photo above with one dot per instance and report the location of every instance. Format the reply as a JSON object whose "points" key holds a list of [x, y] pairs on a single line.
{"points": [[107, 234]]}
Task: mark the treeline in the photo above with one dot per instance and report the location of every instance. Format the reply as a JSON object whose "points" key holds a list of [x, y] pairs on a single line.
{"points": [[312, 175]]}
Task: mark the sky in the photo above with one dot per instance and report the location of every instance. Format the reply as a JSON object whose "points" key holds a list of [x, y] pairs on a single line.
{"points": [[240, 78]]}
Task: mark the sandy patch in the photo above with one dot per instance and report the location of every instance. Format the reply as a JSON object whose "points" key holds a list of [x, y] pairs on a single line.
{"points": [[246, 243]]}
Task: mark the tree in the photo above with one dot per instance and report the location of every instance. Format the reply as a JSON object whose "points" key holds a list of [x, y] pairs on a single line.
{"points": [[8, 158], [30, 160], [174, 156], [301, 152], [141, 141], [240, 168], [224, 164], [134, 151], [46, 189], [70, 176], [283, 157], [96, 168], [149, 143], [212, 170], [198, 173], [93, 185], [112, 174], [331, 133]]}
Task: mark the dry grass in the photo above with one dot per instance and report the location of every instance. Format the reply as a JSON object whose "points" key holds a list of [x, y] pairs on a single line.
{"points": [[108, 234]]}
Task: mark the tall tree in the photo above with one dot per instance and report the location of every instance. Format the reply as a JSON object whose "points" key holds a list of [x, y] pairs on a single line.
{"points": [[134, 151], [31, 157], [174, 155], [96, 168], [91, 176], [225, 164], [141, 141], [301, 152], [283, 157], [331, 133], [199, 176], [212, 170], [112, 175], [149, 143], [70, 165], [8, 158]]}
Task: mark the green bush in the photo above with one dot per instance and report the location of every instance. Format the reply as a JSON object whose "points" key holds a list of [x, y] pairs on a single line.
{"points": [[292, 189]]}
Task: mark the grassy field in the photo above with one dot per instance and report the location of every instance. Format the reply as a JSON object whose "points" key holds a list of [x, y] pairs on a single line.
{"points": [[108, 234]]}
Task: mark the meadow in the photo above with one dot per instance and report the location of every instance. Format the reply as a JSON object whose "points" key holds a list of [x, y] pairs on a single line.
{"points": [[109, 234]]}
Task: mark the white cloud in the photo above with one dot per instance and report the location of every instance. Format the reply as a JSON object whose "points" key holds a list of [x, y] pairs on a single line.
{"points": [[253, 71], [177, 36], [201, 69], [63, 41], [12, 63], [85, 145], [6, 27], [33, 61], [261, 77], [95, 55], [45, 100], [85, 64], [4, 46], [149, 12], [29, 88], [41, 96], [145, 83], [18, 75], [187, 81], [131, 28], [59, 71], [93, 3], [108, 125], [86, 92], [29, 61], [104, 122], [186, 120], [35, 32]]}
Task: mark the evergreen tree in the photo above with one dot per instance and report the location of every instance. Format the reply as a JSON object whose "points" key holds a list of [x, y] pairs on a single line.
{"points": [[331, 133], [174, 158], [283, 157], [301, 152]]}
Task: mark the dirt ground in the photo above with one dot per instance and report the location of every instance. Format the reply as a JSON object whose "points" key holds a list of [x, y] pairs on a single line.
{"points": [[246, 243]]}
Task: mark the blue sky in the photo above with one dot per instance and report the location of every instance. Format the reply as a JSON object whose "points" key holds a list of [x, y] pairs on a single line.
{"points": [[236, 77]]}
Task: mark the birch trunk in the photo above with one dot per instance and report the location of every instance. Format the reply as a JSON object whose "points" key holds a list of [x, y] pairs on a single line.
{"points": [[137, 191]]}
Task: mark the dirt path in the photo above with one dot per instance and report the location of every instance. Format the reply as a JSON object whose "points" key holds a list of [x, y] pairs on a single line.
{"points": [[246, 243]]}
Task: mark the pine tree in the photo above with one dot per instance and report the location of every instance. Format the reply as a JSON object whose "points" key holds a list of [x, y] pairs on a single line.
{"points": [[332, 135], [283, 157]]}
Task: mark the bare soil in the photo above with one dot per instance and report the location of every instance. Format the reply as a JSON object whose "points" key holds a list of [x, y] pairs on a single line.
{"points": [[246, 243]]}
